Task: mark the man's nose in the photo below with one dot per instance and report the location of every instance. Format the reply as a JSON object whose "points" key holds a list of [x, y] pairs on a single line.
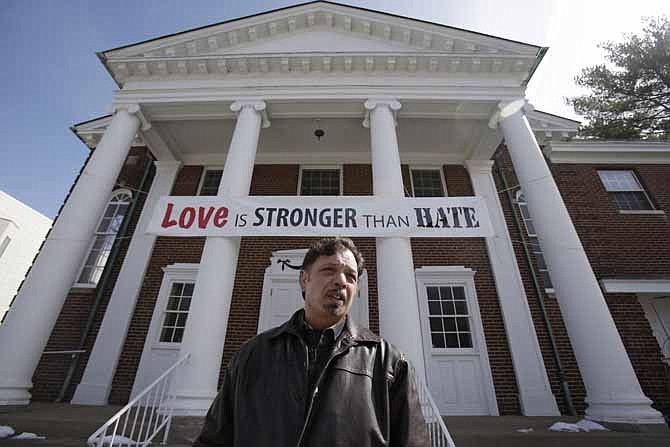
{"points": [[340, 279]]}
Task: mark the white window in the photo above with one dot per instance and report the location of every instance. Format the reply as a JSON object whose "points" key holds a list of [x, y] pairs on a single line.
{"points": [[210, 181], [448, 317], [625, 190], [320, 181], [104, 237], [176, 312], [534, 243], [427, 182]]}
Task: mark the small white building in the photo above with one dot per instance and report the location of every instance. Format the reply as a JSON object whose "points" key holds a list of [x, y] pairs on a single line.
{"points": [[22, 230]]}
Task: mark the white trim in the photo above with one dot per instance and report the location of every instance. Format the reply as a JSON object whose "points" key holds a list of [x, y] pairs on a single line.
{"points": [[331, 167], [459, 276], [428, 168], [608, 152], [636, 285], [204, 174]]}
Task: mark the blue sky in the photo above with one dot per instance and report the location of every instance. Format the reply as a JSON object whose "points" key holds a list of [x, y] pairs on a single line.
{"points": [[51, 78]]}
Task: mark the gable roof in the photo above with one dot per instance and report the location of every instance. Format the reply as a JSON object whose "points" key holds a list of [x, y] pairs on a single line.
{"points": [[341, 37]]}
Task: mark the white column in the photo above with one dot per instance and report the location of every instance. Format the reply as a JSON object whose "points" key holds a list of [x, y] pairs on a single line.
{"points": [[97, 380], [535, 393], [29, 323], [396, 284], [613, 391], [205, 332]]}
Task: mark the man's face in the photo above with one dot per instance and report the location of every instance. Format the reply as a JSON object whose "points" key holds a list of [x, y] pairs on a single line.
{"points": [[330, 285]]}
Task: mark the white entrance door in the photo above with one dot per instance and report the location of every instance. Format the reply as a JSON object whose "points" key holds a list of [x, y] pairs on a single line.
{"points": [[161, 347], [282, 295], [457, 365]]}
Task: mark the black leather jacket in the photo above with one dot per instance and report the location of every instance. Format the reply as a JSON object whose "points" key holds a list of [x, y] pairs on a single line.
{"points": [[365, 396]]}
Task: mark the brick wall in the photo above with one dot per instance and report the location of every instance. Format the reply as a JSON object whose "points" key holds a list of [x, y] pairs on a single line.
{"points": [[616, 245], [50, 373]]}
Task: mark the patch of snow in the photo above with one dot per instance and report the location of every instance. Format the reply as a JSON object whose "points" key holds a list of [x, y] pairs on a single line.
{"points": [[524, 430], [582, 426], [588, 425], [6, 431], [28, 435], [118, 440]]}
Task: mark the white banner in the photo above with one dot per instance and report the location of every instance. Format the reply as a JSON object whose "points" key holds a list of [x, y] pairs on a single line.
{"points": [[320, 216]]}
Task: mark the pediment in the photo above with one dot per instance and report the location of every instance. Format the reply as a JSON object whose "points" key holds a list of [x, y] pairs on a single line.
{"points": [[320, 29]]}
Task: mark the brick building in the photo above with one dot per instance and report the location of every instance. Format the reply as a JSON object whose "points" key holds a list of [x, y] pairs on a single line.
{"points": [[563, 304]]}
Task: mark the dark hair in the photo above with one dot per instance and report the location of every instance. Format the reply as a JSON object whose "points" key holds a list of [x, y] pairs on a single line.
{"points": [[328, 247]]}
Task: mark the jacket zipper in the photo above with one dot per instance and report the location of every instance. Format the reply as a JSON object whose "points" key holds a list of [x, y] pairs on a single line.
{"points": [[316, 389]]}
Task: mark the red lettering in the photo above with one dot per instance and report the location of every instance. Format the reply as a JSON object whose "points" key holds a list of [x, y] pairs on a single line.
{"points": [[167, 222], [220, 218], [204, 218], [187, 217]]}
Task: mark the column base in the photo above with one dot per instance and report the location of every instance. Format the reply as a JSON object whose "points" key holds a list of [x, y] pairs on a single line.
{"points": [[91, 394], [192, 403], [14, 395], [624, 413]]}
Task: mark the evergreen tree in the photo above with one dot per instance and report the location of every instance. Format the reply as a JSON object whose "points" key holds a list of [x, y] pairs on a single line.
{"points": [[630, 95]]}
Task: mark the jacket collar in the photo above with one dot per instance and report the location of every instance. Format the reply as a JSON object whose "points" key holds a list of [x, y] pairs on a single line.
{"points": [[352, 329]]}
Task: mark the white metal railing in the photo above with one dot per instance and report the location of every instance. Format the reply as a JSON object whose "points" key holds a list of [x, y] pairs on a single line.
{"points": [[437, 429], [144, 417]]}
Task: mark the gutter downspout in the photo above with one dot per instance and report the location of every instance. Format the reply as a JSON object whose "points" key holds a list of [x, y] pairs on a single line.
{"points": [[104, 280], [565, 388]]}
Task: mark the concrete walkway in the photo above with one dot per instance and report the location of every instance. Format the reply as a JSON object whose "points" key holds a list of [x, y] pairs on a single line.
{"points": [[71, 425]]}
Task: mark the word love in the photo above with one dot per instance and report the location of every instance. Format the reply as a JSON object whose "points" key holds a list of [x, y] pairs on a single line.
{"points": [[190, 215]]}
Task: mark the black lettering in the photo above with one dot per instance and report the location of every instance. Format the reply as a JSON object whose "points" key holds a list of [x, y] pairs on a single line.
{"points": [[325, 218], [470, 217], [337, 217], [391, 222], [271, 211], [378, 220], [282, 214], [403, 220], [367, 220], [454, 214], [296, 217], [310, 217], [259, 217], [442, 220], [243, 220], [423, 217], [350, 217]]}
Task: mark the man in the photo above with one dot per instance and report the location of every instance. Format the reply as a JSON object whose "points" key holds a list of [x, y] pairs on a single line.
{"points": [[319, 379]]}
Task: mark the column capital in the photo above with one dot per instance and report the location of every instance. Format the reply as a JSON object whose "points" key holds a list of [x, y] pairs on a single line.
{"points": [[479, 166], [392, 104], [131, 109], [257, 105], [509, 108]]}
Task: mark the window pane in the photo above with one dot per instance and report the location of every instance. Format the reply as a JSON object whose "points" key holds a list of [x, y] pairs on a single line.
{"points": [[432, 293], [631, 201], [459, 293], [188, 289], [170, 319], [210, 184], [619, 181], [461, 308], [177, 289], [185, 304], [452, 340], [449, 324], [436, 325], [445, 293], [173, 303], [320, 182], [181, 320], [466, 340], [434, 308], [178, 334], [448, 308], [463, 324], [427, 183], [438, 340], [166, 335]]}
